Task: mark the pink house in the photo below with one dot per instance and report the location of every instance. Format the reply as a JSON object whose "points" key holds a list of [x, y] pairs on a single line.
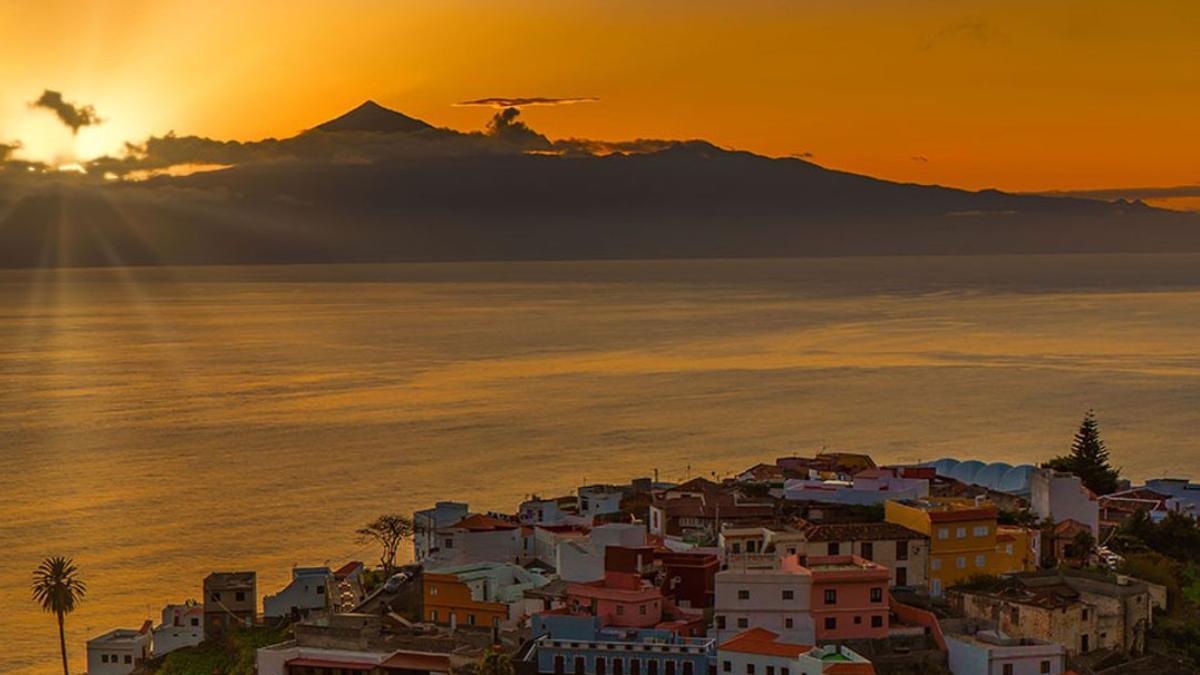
{"points": [[620, 599], [849, 597]]}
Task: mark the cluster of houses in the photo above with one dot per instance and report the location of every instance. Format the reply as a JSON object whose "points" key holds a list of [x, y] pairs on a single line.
{"points": [[809, 565]]}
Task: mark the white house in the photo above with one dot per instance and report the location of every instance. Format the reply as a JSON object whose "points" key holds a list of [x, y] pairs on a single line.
{"points": [[776, 599], [119, 651], [308, 590], [182, 626], [581, 559], [475, 539], [1059, 496], [977, 649], [1185, 492], [597, 500], [427, 522], [538, 511]]}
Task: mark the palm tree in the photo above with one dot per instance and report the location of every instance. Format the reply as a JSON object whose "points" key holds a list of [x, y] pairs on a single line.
{"points": [[58, 589]]}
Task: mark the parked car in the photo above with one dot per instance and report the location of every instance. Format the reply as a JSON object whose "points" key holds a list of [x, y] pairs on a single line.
{"points": [[394, 582]]}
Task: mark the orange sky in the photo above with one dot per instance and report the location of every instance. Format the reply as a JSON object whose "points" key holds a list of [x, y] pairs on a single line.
{"points": [[1017, 95]]}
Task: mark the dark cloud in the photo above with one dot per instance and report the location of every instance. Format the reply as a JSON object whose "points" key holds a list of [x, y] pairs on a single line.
{"points": [[586, 146], [523, 101], [970, 30], [802, 155], [920, 158], [70, 114], [505, 126], [7, 149]]}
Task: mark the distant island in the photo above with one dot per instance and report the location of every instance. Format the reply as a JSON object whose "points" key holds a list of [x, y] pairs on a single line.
{"points": [[375, 185]]}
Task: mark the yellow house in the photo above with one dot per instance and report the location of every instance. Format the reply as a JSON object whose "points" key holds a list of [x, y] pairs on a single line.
{"points": [[962, 538], [1016, 548]]}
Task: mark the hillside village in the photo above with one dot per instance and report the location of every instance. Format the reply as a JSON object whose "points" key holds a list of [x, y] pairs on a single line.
{"points": [[805, 565]]}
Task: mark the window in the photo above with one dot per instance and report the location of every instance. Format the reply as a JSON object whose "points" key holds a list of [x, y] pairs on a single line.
{"points": [[789, 594], [1045, 667], [743, 622], [943, 533], [433, 589], [688, 669], [320, 590], [788, 622], [601, 665], [433, 615], [1014, 615], [857, 620], [935, 564], [470, 619], [830, 623], [1007, 669], [784, 671], [980, 560], [559, 666], [737, 547], [834, 548], [960, 533], [727, 666], [580, 665], [876, 595], [635, 667], [104, 658], [867, 550], [961, 562], [791, 550], [641, 609], [620, 609], [877, 621], [830, 596], [749, 669], [215, 596], [449, 543], [240, 596], [743, 594], [720, 622], [618, 666], [770, 670], [128, 658], [901, 576], [751, 546], [902, 550], [981, 530], [1085, 614]]}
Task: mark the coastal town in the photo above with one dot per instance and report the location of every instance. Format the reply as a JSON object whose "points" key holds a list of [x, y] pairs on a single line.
{"points": [[829, 564]]}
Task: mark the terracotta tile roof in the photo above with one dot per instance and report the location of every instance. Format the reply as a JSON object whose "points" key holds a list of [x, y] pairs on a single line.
{"points": [[861, 532], [484, 523], [764, 642], [348, 568]]}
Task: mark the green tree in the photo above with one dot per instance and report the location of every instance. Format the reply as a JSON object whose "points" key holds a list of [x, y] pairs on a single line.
{"points": [[1089, 458], [1081, 546], [58, 589], [389, 531], [494, 662]]}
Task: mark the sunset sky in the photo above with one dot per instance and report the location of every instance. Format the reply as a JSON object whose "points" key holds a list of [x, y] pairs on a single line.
{"points": [[1015, 95]]}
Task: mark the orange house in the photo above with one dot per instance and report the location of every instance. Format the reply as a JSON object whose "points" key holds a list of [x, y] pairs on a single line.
{"points": [[448, 600]]}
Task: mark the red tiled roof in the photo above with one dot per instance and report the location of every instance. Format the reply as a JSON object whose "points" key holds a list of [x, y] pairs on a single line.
{"points": [[436, 663], [764, 642], [329, 663], [348, 568], [861, 532], [484, 523]]}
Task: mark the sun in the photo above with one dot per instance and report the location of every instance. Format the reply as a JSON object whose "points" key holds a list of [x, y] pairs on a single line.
{"points": [[43, 138]]}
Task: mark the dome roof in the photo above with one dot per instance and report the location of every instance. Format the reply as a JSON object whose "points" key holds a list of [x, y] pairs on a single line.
{"points": [[944, 466], [990, 475], [1016, 479], [966, 471]]}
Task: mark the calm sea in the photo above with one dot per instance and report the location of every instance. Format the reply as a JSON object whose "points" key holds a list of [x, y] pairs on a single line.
{"points": [[158, 424]]}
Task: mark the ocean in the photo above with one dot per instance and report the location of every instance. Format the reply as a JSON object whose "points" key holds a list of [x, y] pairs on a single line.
{"points": [[157, 424]]}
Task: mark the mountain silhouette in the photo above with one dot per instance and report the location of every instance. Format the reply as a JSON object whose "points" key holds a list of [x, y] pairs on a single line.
{"points": [[370, 116], [407, 191]]}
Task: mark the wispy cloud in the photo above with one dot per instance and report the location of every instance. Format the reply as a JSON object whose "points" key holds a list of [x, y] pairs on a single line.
{"points": [[525, 101], [970, 30], [920, 158], [73, 115]]}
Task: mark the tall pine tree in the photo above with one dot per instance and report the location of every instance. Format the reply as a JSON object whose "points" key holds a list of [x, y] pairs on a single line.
{"points": [[1089, 458]]}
